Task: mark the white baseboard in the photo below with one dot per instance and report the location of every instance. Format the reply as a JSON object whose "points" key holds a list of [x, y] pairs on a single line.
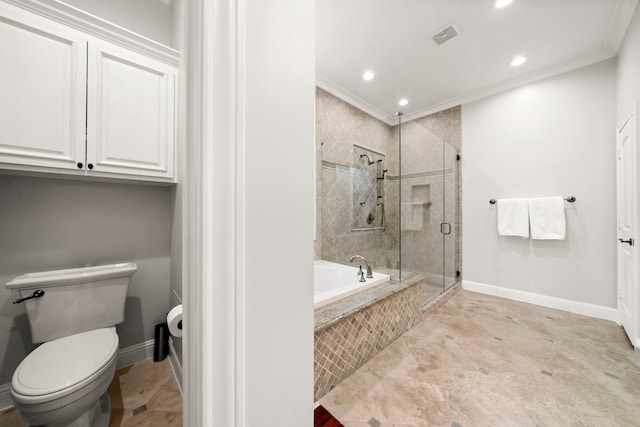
{"points": [[576, 307], [5, 397], [175, 364], [135, 353], [126, 357]]}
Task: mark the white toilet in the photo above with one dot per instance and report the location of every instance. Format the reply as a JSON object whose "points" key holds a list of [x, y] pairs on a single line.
{"points": [[64, 381]]}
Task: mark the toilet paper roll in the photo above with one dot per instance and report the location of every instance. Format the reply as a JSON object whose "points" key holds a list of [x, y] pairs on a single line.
{"points": [[174, 321]]}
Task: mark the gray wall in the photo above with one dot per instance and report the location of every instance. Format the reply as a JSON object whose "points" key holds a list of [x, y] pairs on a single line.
{"points": [[551, 137], [48, 223]]}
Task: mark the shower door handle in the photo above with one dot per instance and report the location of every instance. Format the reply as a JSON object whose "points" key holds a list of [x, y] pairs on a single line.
{"points": [[445, 228]]}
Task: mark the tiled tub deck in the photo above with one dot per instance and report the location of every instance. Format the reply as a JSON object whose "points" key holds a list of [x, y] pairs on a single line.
{"points": [[348, 333]]}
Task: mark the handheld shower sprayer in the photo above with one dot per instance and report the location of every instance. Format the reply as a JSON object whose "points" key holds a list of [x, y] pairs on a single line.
{"points": [[381, 170]]}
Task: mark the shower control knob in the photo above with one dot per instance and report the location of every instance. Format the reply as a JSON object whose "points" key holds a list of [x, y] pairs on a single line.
{"points": [[79, 165], [90, 165]]}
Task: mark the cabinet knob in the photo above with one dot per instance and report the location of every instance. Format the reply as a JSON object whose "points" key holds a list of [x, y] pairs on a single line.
{"points": [[90, 165], [79, 165]]}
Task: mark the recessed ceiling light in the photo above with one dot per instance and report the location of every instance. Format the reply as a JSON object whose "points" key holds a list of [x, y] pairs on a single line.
{"points": [[403, 102], [368, 75], [502, 3], [518, 60]]}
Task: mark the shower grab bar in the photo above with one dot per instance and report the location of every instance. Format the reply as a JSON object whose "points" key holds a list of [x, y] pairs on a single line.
{"points": [[569, 199]]}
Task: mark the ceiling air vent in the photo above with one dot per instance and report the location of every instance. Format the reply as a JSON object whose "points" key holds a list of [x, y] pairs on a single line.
{"points": [[445, 34]]}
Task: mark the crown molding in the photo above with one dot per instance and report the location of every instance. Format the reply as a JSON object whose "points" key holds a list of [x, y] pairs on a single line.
{"points": [[532, 77], [475, 95], [90, 24], [342, 93]]}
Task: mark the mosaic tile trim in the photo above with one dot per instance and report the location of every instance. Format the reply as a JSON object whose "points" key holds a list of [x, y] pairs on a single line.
{"points": [[343, 346], [331, 165]]}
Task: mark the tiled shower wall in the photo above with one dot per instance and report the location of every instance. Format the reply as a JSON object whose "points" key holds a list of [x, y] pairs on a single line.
{"points": [[340, 125]]}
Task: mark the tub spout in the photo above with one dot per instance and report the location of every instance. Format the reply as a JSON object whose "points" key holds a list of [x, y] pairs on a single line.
{"points": [[369, 271]]}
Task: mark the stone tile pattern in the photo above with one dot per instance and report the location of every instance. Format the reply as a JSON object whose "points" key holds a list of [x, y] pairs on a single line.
{"points": [[338, 127], [347, 343], [145, 394], [477, 360]]}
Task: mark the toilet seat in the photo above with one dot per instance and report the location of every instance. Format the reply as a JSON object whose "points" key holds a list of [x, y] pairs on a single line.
{"points": [[60, 367]]}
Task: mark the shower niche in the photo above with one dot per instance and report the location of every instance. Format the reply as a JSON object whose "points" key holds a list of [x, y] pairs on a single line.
{"points": [[368, 173]]}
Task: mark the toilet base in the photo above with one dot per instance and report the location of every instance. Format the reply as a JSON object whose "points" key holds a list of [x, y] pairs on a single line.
{"points": [[97, 416]]}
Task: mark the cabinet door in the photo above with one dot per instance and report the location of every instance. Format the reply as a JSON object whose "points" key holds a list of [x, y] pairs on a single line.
{"points": [[42, 92], [130, 113]]}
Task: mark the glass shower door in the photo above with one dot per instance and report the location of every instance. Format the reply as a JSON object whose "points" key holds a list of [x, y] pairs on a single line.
{"points": [[427, 203], [449, 215]]}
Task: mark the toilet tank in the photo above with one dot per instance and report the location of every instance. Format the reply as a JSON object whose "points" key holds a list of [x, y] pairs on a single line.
{"points": [[75, 300]]}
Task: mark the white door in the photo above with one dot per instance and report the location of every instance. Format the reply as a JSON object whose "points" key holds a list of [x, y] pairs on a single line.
{"points": [[42, 87], [626, 142], [130, 113]]}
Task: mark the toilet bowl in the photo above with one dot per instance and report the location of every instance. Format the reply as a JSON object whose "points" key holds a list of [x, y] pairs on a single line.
{"points": [[64, 381]]}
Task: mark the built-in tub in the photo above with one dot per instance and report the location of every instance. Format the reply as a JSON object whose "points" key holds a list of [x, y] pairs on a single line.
{"points": [[333, 282]]}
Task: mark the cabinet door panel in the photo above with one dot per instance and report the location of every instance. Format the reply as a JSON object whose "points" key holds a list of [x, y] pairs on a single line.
{"points": [[42, 82], [130, 127]]}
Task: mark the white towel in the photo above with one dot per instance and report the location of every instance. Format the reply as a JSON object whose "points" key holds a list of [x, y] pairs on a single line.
{"points": [[513, 217], [546, 215]]}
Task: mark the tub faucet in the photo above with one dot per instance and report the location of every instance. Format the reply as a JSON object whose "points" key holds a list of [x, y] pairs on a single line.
{"points": [[369, 272]]}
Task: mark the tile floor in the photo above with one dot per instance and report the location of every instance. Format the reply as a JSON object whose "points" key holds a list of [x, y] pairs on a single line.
{"points": [[144, 394], [477, 360]]}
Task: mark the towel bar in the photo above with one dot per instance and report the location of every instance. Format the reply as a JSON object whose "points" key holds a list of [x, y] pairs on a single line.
{"points": [[569, 199]]}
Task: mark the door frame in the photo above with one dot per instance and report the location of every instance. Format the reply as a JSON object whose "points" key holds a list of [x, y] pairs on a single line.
{"points": [[248, 335]]}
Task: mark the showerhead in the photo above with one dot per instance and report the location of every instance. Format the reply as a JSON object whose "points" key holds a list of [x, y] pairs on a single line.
{"points": [[368, 159]]}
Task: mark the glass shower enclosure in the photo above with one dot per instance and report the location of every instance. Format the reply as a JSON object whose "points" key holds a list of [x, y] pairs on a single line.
{"points": [[428, 199], [390, 193]]}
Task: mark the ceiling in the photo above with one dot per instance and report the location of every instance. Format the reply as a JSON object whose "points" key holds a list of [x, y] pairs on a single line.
{"points": [[392, 38]]}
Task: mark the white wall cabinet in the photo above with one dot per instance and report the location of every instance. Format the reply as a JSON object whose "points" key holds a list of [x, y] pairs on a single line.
{"points": [[130, 112], [72, 103], [43, 87]]}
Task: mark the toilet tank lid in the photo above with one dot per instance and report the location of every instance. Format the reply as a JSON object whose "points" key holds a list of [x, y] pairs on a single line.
{"points": [[71, 276]]}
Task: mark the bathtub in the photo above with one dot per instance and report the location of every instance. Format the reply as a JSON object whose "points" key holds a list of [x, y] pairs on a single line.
{"points": [[333, 282]]}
